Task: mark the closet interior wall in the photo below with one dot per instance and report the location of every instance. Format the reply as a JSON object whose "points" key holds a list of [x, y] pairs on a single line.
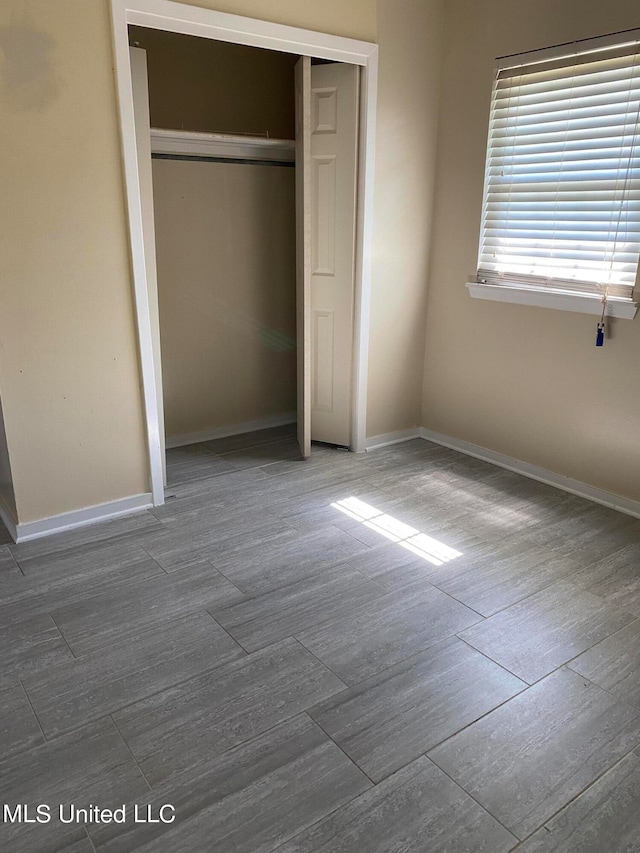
{"points": [[7, 497], [225, 237]]}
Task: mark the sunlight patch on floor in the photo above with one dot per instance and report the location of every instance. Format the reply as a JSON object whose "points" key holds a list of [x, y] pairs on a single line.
{"points": [[408, 537]]}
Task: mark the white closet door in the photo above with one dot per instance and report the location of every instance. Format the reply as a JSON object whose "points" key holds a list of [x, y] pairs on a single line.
{"points": [[139, 82], [334, 134], [303, 250]]}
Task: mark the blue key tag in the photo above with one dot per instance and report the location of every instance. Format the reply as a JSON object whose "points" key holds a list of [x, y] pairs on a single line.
{"points": [[600, 335]]}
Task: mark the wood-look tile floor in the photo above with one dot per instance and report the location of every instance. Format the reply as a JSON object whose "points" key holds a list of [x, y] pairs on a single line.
{"points": [[404, 650]]}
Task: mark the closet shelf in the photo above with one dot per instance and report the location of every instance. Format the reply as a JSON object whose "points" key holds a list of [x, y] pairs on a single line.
{"points": [[221, 145]]}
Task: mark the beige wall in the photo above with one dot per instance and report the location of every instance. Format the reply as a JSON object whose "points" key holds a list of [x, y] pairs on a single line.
{"points": [[226, 287], [523, 381], [410, 39], [7, 498], [68, 358], [68, 369], [215, 87]]}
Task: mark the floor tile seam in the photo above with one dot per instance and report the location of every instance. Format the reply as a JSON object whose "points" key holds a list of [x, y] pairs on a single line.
{"points": [[472, 797], [90, 839], [592, 563], [145, 697], [351, 760], [594, 781], [153, 559], [614, 696], [33, 711], [473, 722], [252, 446], [603, 600], [322, 619], [372, 580], [524, 597], [129, 750], [203, 766], [13, 559], [162, 621], [397, 663], [125, 538], [565, 580], [501, 665], [64, 639], [230, 635], [322, 663], [251, 595]]}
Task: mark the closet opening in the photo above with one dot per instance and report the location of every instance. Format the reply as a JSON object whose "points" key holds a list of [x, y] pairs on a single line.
{"points": [[246, 315]]}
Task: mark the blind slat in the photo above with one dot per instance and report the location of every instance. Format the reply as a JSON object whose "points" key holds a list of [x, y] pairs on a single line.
{"points": [[562, 185]]}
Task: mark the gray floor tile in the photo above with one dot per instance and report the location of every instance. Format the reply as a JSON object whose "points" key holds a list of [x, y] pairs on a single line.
{"points": [[250, 799], [84, 845], [392, 718], [186, 725], [263, 454], [615, 578], [227, 740], [194, 462], [90, 766], [501, 578], [32, 645], [385, 631], [252, 439], [214, 539], [83, 561], [527, 759], [116, 531], [8, 566], [393, 566], [281, 613], [614, 664], [269, 565], [95, 685], [94, 623], [19, 728], [603, 818], [539, 634], [417, 809]]}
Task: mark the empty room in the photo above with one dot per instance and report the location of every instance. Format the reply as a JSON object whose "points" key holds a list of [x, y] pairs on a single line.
{"points": [[319, 412]]}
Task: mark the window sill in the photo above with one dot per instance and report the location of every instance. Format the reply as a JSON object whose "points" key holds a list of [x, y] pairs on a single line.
{"points": [[616, 307]]}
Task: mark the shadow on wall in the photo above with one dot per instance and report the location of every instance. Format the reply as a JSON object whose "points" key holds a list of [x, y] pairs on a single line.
{"points": [[29, 80]]}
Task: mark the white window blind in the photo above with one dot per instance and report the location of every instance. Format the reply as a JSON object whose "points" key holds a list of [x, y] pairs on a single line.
{"points": [[562, 187]]}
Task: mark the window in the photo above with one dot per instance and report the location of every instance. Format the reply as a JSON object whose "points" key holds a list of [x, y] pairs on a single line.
{"points": [[561, 213]]}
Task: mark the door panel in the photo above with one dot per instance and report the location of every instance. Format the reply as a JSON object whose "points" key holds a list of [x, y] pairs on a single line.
{"points": [[334, 134], [303, 250]]}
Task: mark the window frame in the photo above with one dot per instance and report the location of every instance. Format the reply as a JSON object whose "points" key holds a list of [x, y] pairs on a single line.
{"points": [[533, 294]]}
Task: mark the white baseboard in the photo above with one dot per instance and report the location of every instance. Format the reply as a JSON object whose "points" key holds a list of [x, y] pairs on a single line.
{"points": [[388, 438], [7, 519], [231, 429], [567, 484], [80, 517]]}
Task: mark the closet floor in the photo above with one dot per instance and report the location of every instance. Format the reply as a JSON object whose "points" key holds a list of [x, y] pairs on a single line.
{"points": [[406, 649]]}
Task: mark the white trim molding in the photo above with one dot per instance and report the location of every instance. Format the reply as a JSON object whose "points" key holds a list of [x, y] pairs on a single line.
{"points": [[387, 438], [231, 429], [534, 472], [206, 23], [580, 303], [227, 146], [81, 517]]}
